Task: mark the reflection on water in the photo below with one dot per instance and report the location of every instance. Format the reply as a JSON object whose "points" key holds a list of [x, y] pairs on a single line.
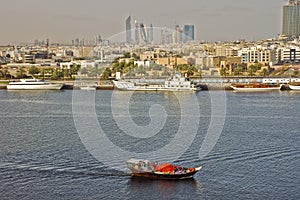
{"points": [[139, 188]]}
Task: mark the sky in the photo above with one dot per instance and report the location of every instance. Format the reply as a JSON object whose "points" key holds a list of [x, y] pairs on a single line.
{"points": [[23, 21]]}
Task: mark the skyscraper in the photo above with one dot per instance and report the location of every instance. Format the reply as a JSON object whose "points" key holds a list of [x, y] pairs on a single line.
{"points": [[291, 19], [137, 30], [151, 36], [189, 33], [144, 35], [128, 29]]}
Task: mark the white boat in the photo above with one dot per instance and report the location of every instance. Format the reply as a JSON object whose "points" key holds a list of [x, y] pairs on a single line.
{"points": [[294, 87], [33, 84], [88, 87], [255, 87], [177, 83]]}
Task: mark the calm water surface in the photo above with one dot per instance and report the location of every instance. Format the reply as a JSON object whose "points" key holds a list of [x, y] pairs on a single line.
{"points": [[256, 157]]}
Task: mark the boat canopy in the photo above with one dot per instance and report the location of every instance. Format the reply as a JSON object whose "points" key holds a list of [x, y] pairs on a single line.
{"points": [[165, 167]]}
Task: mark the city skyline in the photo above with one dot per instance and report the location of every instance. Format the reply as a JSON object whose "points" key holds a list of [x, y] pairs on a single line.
{"points": [[62, 21]]}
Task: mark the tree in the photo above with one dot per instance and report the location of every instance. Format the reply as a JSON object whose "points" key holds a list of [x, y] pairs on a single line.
{"points": [[224, 72], [265, 72], [5, 73], [296, 73], [33, 70], [84, 71], [57, 74], [106, 74], [21, 73], [67, 73], [127, 55], [238, 70], [252, 69], [74, 69]]}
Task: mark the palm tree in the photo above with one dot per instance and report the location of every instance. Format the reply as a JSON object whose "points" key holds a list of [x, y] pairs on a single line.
{"points": [[238, 70], [21, 73], [252, 70], [265, 72]]}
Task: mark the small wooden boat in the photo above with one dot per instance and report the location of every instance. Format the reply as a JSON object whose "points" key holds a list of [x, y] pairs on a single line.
{"points": [[153, 170], [255, 87]]}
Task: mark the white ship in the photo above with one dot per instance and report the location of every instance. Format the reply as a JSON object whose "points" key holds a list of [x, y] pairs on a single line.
{"points": [[177, 83], [33, 84], [294, 87]]}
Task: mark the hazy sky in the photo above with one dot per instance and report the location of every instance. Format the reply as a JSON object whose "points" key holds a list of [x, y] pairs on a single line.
{"points": [[64, 20]]}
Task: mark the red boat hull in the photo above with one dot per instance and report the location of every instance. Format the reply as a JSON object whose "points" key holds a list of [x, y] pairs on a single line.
{"points": [[169, 176]]}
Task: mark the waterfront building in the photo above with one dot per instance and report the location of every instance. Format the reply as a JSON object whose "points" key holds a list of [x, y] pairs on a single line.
{"points": [[230, 63], [128, 30], [291, 19], [288, 55], [256, 55]]}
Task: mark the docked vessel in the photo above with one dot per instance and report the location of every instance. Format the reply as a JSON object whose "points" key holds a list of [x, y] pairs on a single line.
{"points": [[294, 86], [87, 86], [153, 170], [177, 83], [255, 87], [33, 84]]}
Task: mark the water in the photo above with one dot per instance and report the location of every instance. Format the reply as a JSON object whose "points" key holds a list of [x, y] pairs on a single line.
{"points": [[256, 157]]}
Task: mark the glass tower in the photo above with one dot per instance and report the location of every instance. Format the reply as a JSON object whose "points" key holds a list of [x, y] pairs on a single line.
{"points": [[189, 33], [128, 29], [291, 19]]}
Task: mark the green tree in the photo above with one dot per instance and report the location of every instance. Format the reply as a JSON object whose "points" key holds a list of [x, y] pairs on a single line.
{"points": [[127, 55], [296, 73], [67, 73], [252, 69], [84, 71], [33, 70], [238, 70], [224, 72], [74, 69], [106, 74], [21, 72], [5, 73], [57, 74], [265, 72]]}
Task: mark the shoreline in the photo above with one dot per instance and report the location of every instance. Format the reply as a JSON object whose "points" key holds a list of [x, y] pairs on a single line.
{"points": [[204, 87]]}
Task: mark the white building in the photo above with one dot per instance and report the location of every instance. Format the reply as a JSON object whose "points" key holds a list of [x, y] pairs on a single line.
{"points": [[288, 55]]}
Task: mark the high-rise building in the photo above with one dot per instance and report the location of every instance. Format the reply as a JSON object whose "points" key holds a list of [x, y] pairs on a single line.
{"points": [[291, 19], [189, 33], [128, 29], [177, 35], [143, 33], [151, 33], [137, 30]]}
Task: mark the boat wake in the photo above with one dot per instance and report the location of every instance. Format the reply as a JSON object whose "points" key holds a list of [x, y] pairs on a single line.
{"points": [[254, 155], [71, 170]]}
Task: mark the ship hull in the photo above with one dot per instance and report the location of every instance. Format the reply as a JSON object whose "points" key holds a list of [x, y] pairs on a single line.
{"points": [[127, 86], [255, 88], [35, 87], [294, 87], [166, 176]]}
